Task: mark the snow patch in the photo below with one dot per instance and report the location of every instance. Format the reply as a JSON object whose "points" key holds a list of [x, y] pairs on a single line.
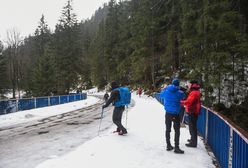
{"points": [[40, 113], [143, 146]]}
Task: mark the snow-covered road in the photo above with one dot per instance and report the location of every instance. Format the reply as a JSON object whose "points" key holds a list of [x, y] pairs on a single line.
{"points": [[143, 146], [38, 137]]}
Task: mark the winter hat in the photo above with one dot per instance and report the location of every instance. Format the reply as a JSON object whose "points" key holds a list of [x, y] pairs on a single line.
{"points": [[114, 85], [194, 85], [175, 82], [194, 82]]}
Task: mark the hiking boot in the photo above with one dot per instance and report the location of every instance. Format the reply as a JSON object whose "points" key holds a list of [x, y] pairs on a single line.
{"points": [[191, 145], [122, 132], [189, 140], [117, 130], [169, 148], [178, 151]]}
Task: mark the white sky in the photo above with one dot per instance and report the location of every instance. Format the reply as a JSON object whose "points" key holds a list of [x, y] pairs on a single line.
{"points": [[24, 15]]}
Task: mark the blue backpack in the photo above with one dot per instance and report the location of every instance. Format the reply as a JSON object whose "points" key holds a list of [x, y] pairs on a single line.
{"points": [[125, 97]]}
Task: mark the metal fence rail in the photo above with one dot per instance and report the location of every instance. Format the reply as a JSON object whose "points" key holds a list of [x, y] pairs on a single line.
{"points": [[201, 123], [228, 144], [219, 138], [10, 106], [240, 152]]}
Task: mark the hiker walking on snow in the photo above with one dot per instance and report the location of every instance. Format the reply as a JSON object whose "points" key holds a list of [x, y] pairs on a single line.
{"points": [[139, 91], [118, 110], [193, 107], [172, 96]]}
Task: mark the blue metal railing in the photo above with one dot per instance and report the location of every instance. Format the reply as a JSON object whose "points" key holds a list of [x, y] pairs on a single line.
{"points": [[240, 151], [9, 106], [64, 99], [54, 100], [228, 144], [25, 104], [218, 138], [42, 102], [201, 123]]}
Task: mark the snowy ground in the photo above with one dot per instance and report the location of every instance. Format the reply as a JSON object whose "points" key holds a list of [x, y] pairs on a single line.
{"points": [[39, 113], [30, 137], [143, 146]]}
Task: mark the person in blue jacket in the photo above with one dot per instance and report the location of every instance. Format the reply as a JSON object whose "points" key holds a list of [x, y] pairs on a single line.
{"points": [[172, 96], [118, 110]]}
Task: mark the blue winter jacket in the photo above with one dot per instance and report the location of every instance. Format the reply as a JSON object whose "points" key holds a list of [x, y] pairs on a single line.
{"points": [[172, 97]]}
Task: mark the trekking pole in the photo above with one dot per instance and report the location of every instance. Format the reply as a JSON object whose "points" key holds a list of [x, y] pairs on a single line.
{"points": [[183, 118], [100, 122], [182, 122]]}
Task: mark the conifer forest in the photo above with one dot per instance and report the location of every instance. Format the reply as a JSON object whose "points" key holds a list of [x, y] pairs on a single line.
{"points": [[137, 43]]}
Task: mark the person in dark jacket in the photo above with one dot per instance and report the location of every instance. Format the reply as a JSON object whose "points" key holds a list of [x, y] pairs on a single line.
{"points": [[182, 108], [172, 96], [118, 111], [193, 106], [106, 96]]}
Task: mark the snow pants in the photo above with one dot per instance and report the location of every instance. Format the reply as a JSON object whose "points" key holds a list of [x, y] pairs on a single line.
{"points": [[117, 116], [193, 128], [175, 118]]}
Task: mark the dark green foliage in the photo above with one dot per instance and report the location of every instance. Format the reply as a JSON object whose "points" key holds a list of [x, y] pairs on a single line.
{"points": [[43, 72], [67, 50], [44, 79], [237, 113], [3, 72], [140, 42]]}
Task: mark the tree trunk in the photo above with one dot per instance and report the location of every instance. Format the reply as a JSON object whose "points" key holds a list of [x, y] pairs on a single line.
{"points": [[176, 51], [13, 90]]}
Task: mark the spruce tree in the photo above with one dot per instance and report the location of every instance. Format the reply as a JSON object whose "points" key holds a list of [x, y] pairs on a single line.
{"points": [[99, 69], [68, 50], [3, 68], [43, 72], [44, 78]]}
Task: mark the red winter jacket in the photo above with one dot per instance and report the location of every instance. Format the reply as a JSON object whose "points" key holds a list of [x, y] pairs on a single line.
{"points": [[192, 103]]}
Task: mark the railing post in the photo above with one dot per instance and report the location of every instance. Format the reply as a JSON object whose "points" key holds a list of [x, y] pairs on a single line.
{"points": [[206, 127], [48, 99], [17, 105], [35, 103], [4, 107], [230, 149], [59, 100]]}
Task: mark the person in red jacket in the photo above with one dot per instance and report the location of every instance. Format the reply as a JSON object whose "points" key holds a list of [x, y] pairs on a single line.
{"points": [[139, 91], [193, 107]]}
